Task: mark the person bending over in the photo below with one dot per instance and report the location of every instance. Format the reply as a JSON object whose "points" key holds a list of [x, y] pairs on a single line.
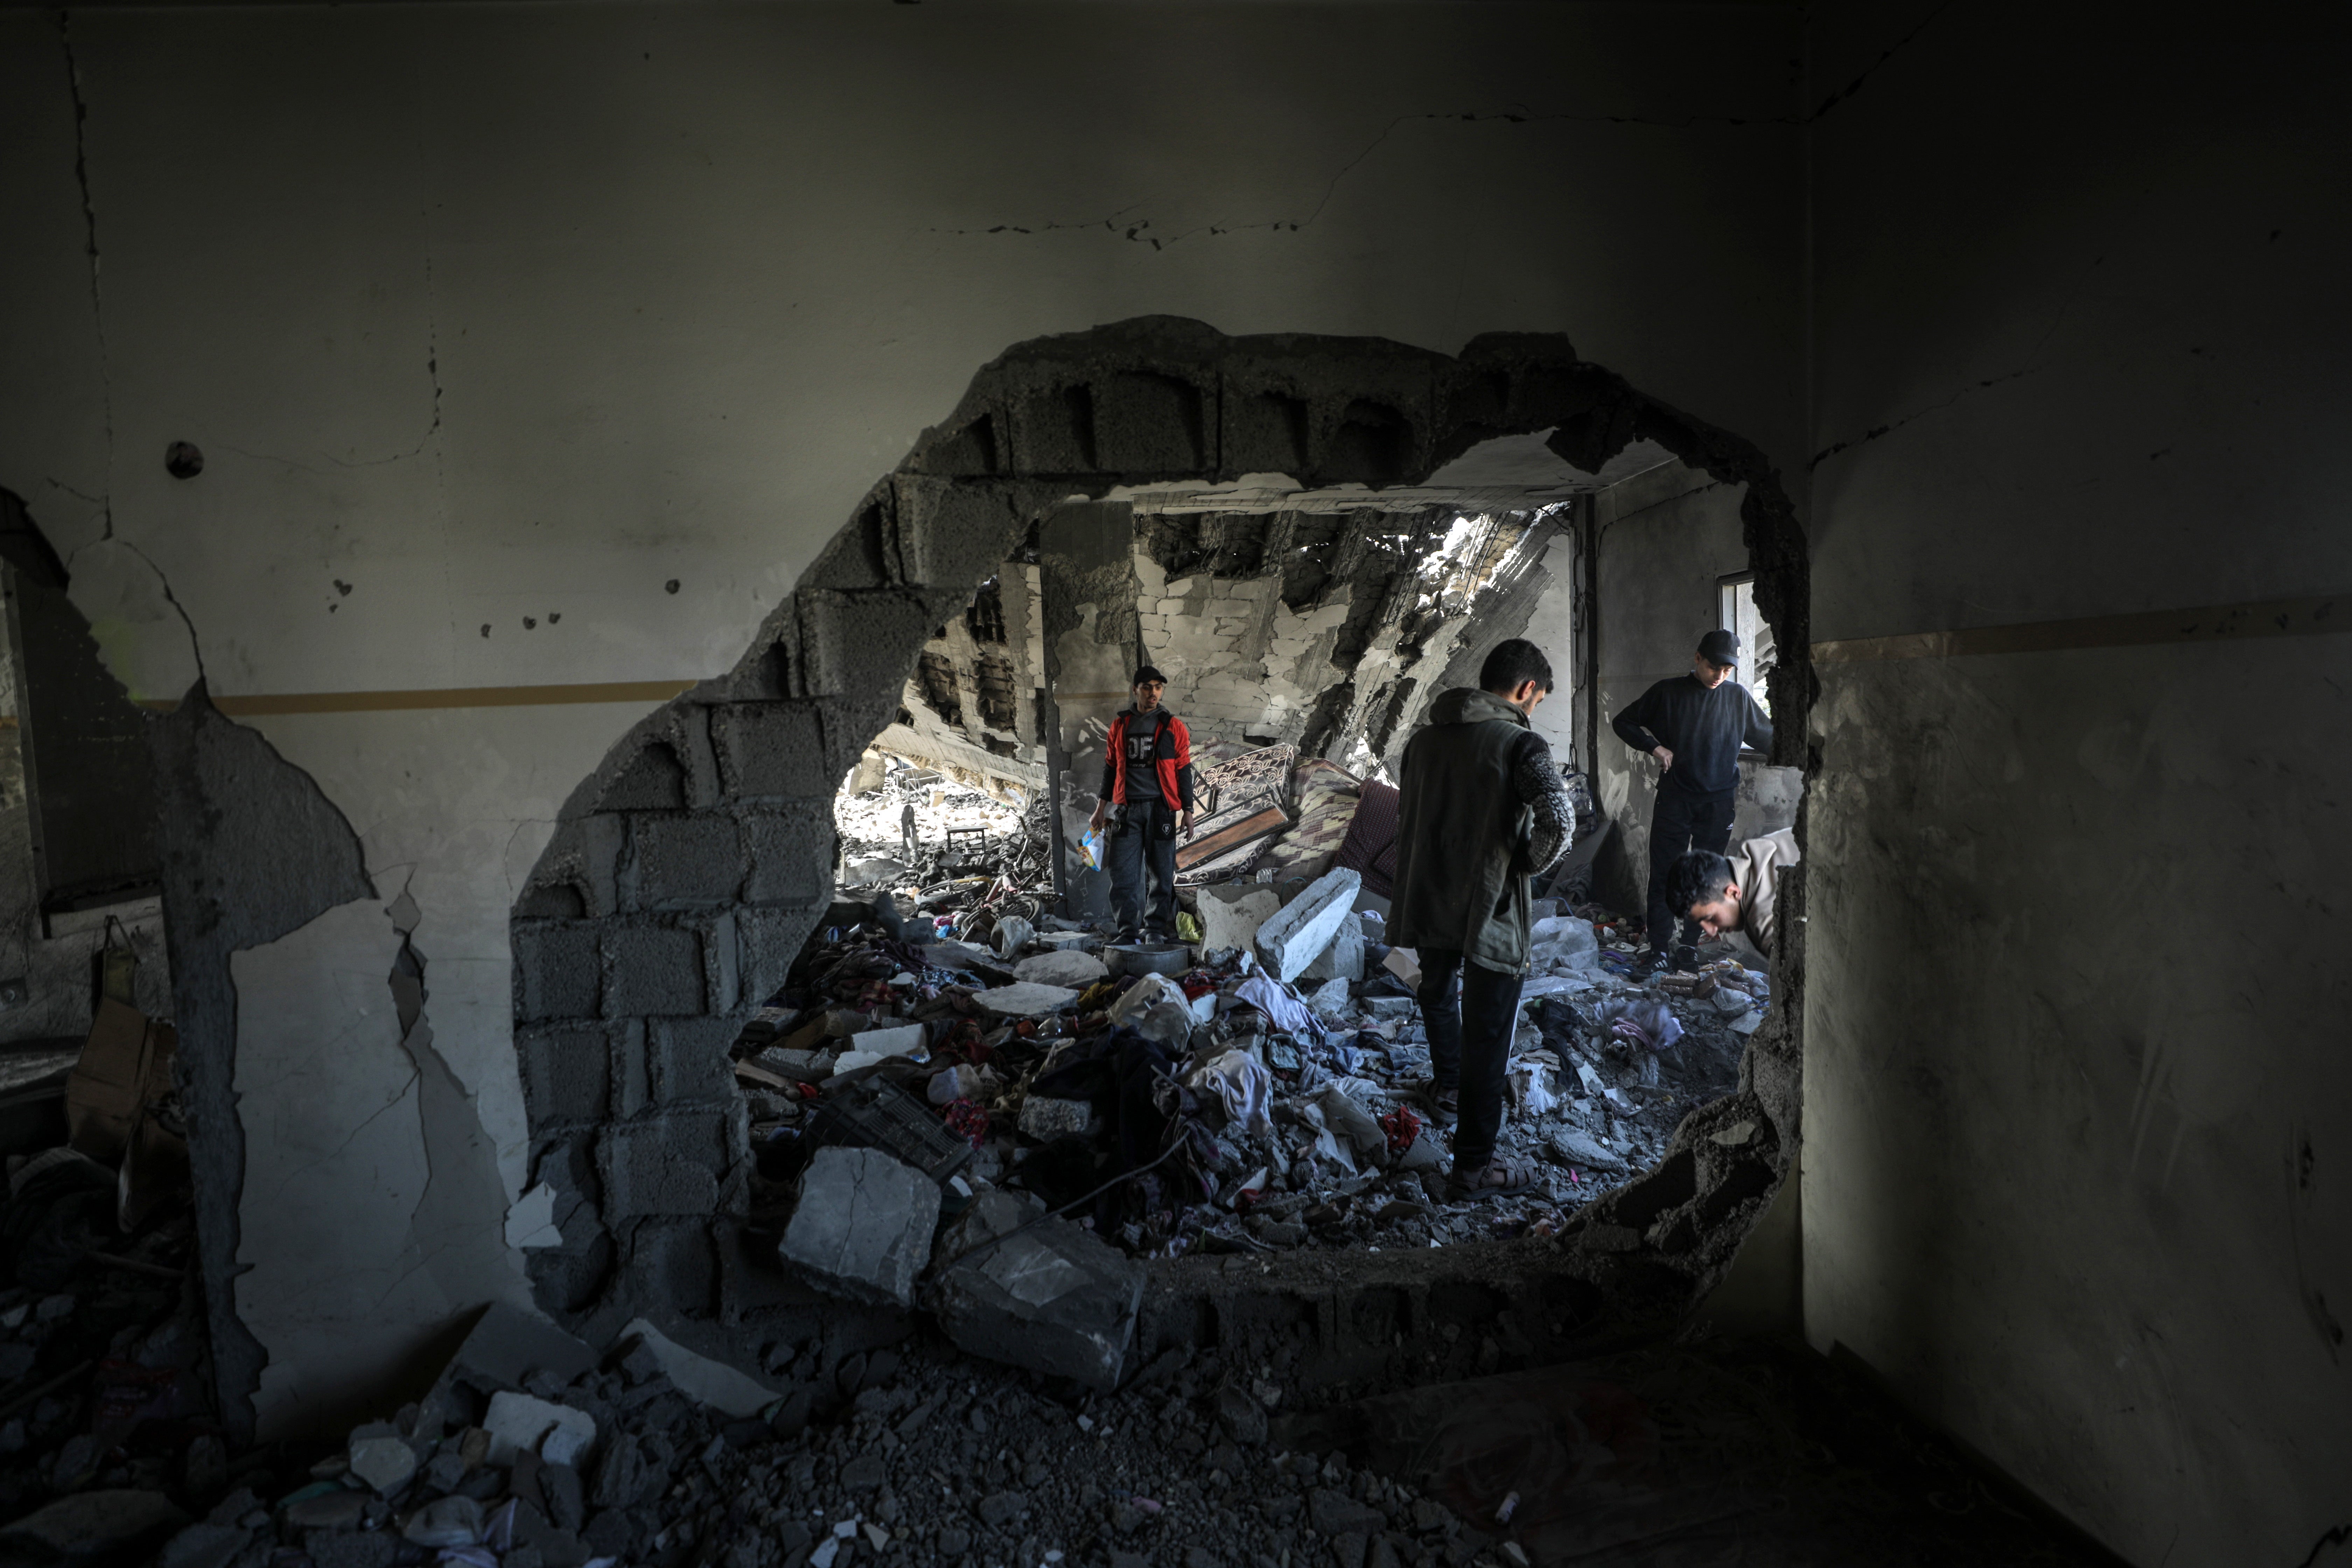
{"points": [[1695, 725], [1482, 808], [1738, 892]]}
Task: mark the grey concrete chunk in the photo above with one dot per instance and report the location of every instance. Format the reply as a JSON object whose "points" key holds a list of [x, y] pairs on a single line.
{"points": [[863, 1226], [1570, 1147], [380, 1456], [507, 1344], [526, 1424], [701, 1378], [1297, 937], [1072, 969], [1025, 1000], [1053, 1298], [1046, 1118], [1232, 913], [1344, 959]]}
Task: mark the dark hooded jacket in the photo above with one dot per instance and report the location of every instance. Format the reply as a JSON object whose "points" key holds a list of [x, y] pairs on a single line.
{"points": [[1463, 835]]}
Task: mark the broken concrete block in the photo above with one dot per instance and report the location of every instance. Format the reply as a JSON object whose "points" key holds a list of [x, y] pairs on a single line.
{"points": [[1067, 941], [1344, 959], [381, 1457], [1053, 1298], [899, 1040], [1046, 1118], [524, 1423], [1330, 1000], [506, 1345], [1570, 1147], [699, 1377], [1075, 969], [1232, 913], [1024, 1000], [445, 1523], [1297, 937], [863, 1226]]}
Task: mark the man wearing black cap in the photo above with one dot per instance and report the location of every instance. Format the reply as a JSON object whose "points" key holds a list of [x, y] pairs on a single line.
{"points": [[1147, 786], [1695, 725]]}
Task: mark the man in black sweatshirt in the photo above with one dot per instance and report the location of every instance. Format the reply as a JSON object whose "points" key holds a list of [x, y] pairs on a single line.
{"points": [[1695, 725]]}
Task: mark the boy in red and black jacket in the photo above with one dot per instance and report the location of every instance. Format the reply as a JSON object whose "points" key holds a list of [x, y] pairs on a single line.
{"points": [[1147, 792]]}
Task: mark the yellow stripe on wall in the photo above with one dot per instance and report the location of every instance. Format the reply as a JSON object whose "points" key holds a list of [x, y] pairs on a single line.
{"points": [[2210, 623]]}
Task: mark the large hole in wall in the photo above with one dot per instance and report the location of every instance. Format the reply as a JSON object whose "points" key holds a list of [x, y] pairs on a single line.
{"points": [[1314, 539]]}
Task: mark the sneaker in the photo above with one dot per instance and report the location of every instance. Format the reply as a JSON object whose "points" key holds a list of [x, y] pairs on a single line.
{"points": [[1685, 960], [1648, 963]]}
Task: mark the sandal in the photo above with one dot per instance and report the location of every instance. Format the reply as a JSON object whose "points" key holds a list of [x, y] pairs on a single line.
{"points": [[1445, 1104], [1499, 1179]]}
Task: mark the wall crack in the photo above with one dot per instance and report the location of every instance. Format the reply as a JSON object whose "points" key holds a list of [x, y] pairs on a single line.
{"points": [[89, 230]]}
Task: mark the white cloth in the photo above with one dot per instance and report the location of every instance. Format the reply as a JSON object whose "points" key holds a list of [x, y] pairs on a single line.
{"points": [[1243, 1086], [1279, 1003]]}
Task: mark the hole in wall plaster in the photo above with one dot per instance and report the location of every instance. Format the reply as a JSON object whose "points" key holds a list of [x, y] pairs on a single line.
{"points": [[658, 960], [184, 460]]}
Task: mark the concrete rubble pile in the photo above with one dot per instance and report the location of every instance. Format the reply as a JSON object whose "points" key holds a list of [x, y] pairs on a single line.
{"points": [[960, 833], [978, 1117], [534, 1451]]}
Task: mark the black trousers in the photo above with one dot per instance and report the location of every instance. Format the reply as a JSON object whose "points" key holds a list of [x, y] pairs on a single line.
{"points": [[1144, 843], [1683, 821], [1469, 1026]]}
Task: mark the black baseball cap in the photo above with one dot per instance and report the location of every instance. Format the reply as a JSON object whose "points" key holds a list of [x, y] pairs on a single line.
{"points": [[1148, 673], [1719, 647]]}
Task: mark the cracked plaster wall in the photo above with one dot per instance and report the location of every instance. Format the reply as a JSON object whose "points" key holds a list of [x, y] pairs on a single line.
{"points": [[453, 442], [2078, 1165]]}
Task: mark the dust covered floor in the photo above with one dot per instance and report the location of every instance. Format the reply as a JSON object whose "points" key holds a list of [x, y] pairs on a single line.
{"points": [[1691, 1455]]}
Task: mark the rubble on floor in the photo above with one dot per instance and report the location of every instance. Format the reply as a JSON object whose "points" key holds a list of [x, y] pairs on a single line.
{"points": [[105, 1384], [909, 1452], [863, 1454], [990, 1059]]}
